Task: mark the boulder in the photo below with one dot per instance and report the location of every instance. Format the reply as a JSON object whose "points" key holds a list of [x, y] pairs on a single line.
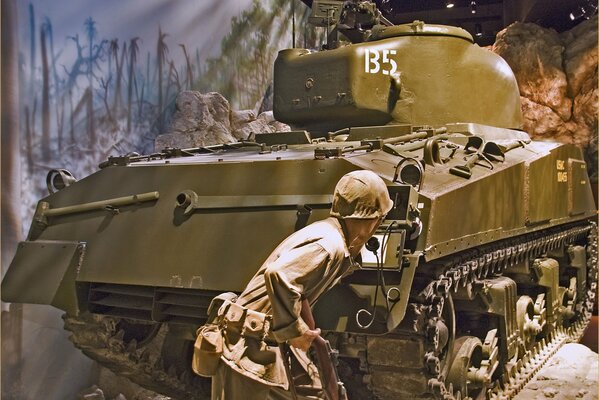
{"points": [[117, 387], [542, 122], [557, 77], [580, 57], [241, 118], [245, 124], [199, 120], [92, 393], [253, 127], [535, 54], [207, 119]]}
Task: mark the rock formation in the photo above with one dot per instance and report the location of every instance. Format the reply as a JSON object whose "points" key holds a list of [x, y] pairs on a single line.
{"points": [[557, 77], [113, 387], [206, 119]]}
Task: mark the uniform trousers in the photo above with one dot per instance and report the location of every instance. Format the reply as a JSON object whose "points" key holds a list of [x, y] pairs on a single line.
{"points": [[228, 384]]}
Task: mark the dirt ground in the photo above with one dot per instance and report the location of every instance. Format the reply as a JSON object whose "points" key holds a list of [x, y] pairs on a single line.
{"points": [[572, 373]]}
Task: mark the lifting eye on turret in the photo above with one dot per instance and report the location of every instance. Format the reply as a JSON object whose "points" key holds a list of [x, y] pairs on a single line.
{"points": [[58, 179]]}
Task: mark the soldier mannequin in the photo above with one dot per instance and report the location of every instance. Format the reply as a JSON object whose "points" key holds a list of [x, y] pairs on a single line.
{"points": [[303, 266]]}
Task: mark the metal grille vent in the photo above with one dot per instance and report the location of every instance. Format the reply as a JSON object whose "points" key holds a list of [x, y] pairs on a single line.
{"points": [[185, 306]]}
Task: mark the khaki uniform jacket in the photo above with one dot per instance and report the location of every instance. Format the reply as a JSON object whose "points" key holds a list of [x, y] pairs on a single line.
{"points": [[305, 265]]}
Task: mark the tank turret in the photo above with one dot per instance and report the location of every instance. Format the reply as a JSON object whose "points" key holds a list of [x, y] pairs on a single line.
{"points": [[413, 74]]}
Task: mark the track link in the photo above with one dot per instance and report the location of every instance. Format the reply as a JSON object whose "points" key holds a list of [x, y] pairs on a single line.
{"points": [[99, 338]]}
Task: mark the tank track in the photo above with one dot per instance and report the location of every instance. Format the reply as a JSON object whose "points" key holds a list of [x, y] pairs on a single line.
{"points": [[374, 376], [423, 373], [100, 338]]}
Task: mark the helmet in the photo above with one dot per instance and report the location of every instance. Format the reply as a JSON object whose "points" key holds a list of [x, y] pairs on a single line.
{"points": [[361, 195]]}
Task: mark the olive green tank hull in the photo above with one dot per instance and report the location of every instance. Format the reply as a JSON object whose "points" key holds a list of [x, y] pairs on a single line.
{"points": [[243, 209]]}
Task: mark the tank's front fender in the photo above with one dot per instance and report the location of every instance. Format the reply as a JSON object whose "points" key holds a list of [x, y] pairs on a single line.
{"points": [[45, 272]]}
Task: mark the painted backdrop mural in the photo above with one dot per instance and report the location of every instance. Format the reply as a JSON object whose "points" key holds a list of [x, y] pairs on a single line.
{"points": [[100, 78], [83, 80]]}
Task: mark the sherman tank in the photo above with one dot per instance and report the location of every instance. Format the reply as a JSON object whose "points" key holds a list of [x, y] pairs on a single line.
{"points": [[485, 266]]}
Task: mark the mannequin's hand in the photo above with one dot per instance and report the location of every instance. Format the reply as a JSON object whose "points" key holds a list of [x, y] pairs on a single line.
{"points": [[305, 341]]}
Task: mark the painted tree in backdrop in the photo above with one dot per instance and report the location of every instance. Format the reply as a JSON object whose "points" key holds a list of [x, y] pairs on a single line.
{"points": [[133, 50], [90, 97], [243, 71], [161, 55], [188, 68], [90, 30], [46, 151], [114, 50]]}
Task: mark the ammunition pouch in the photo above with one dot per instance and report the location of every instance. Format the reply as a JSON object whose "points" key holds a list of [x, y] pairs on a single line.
{"points": [[256, 325], [245, 347], [208, 347], [207, 350], [247, 323]]}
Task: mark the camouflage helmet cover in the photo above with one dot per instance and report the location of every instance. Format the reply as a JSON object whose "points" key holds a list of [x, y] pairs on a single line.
{"points": [[361, 195]]}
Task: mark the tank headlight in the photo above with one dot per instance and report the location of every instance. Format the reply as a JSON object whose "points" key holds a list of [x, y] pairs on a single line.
{"points": [[58, 179], [409, 171]]}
